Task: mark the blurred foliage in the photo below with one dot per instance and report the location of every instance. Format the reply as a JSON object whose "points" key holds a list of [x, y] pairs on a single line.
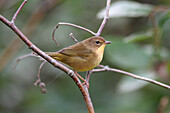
{"points": [[127, 9], [141, 45]]}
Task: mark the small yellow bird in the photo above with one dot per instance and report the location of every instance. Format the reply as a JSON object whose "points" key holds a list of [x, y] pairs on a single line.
{"points": [[82, 56]]}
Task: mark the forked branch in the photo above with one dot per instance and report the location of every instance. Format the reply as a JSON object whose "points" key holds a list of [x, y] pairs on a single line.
{"points": [[19, 9], [106, 17], [48, 58]]}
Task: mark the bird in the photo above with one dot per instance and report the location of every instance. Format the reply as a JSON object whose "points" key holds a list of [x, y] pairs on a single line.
{"points": [[82, 56]]}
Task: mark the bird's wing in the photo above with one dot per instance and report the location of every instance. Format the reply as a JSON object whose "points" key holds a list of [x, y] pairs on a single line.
{"points": [[79, 51], [83, 53]]}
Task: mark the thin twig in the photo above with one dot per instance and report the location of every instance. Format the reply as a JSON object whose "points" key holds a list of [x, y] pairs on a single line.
{"points": [[87, 78], [77, 26], [106, 68], [29, 27], [72, 36], [38, 75], [54, 34], [69, 24], [15, 15], [20, 58], [106, 17], [38, 81]]}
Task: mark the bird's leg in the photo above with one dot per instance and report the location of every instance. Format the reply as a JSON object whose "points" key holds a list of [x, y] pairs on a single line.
{"points": [[85, 82], [88, 75]]}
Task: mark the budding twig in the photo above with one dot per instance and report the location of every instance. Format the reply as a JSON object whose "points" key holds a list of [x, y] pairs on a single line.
{"points": [[38, 81], [38, 75]]}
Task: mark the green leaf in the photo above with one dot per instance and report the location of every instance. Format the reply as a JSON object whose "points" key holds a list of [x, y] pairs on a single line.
{"points": [[127, 9]]}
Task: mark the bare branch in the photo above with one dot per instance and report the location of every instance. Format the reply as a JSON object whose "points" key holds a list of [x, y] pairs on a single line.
{"points": [[77, 26], [22, 57], [106, 17], [106, 68], [85, 29], [87, 78], [38, 81], [69, 24], [54, 34], [30, 26], [88, 75], [19, 9], [72, 36]]}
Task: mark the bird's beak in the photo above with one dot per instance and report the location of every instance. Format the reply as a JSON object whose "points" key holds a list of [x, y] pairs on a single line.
{"points": [[108, 42]]}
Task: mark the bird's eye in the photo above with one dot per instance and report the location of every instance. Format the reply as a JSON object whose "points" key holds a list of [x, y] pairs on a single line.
{"points": [[97, 42]]}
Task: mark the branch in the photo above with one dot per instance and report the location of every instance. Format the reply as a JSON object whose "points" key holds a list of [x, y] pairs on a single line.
{"points": [[106, 17], [106, 68], [20, 58], [49, 59], [69, 24], [19, 9], [77, 26], [72, 36], [38, 81], [83, 90], [29, 27]]}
